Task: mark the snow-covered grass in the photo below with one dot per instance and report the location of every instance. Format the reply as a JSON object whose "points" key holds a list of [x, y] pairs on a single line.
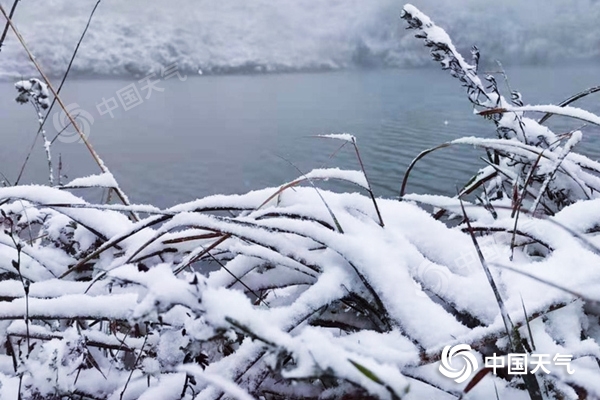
{"points": [[299, 293]]}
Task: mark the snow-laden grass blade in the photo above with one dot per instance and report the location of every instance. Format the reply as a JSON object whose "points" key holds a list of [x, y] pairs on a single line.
{"points": [[508, 325], [570, 100]]}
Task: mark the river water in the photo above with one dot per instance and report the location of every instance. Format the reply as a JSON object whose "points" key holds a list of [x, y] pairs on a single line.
{"points": [[233, 133]]}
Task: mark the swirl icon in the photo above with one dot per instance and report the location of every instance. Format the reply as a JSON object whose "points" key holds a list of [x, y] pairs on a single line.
{"points": [[62, 124], [470, 362], [431, 277]]}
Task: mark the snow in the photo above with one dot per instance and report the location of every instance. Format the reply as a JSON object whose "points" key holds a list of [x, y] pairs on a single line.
{"points": [[169, 388], [356, 177], [303, 265], [101, 307], [45, 195], [34, 90], [436, 34], [340, 136], [45, 289], [228, 387], [102, 180], [135, 37], [566, 111]]}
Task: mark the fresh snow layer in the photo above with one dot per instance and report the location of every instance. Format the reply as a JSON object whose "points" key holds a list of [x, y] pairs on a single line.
{"points": [[340, 136], [105, 180], [290, 248]]}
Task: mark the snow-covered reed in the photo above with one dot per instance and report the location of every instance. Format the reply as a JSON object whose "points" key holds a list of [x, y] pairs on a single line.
{"points": [[298, 293]]}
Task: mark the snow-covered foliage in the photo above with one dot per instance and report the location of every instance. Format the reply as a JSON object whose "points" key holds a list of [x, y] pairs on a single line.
{"points": [[523, 219], [33, 90], [527, 156], [299, 293]]}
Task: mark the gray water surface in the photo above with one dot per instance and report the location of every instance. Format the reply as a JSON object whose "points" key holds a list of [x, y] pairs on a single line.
{"points": [[231, 134]]}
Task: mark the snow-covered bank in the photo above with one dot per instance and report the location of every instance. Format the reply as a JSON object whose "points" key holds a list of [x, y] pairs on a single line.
{"points": [[135, 37]]}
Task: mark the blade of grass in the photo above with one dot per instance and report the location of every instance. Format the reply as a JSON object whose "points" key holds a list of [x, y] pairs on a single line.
{"points": [[517, 209], [362, 167], [333, 217], [508, 325], [565, 111], [565, 151], [513, 336], [528, 326], [476, 379], [551, 284], [370, 189], [414, 162], [571, 100], [372, 376]]}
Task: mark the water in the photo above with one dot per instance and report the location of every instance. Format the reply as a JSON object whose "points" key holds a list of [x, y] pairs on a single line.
{"points": [[231, 134]]}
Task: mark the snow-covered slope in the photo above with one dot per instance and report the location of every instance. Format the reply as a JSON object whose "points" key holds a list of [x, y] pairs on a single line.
{"points": [[133, 37]]}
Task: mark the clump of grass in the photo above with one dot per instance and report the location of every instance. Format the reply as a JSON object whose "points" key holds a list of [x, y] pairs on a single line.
{"points": [[527, 165]]}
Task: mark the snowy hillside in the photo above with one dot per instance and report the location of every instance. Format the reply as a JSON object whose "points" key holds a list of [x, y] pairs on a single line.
{"points": [[133, 37]]}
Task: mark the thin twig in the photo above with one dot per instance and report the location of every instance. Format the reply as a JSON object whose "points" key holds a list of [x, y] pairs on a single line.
{"points": [[137, 360], [5, 31], [370, 190], [71, 62]]}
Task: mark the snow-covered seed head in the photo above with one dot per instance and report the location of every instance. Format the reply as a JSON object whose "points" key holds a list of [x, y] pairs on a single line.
{"points": [[33, 90]]}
